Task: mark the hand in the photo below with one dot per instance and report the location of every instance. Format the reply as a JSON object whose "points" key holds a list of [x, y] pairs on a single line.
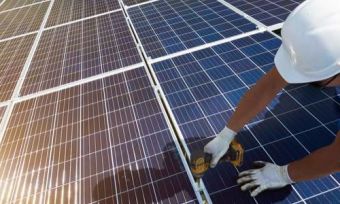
{"points": [[219, 145], [270, 176]]}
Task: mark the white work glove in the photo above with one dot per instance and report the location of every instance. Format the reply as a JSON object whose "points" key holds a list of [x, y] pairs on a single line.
{"points": [[219, 145], [270, 176]]}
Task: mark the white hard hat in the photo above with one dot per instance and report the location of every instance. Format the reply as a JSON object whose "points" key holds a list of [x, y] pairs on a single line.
{"points": [[310, 49]]}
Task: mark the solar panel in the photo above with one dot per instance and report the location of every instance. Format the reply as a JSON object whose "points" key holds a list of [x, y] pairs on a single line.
{"points": [[203, 88], [104, 141], [21, 21], [13, 54], [165, 27], [15, 4], [267, 12], [80, 50], [64, 11]]}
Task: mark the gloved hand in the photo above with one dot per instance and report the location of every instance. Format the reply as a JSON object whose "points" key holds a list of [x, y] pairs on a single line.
{"points": [[270, 176], [219, 145]]}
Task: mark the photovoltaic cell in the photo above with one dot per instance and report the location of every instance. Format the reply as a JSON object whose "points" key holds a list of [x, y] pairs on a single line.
{"points": [[14, 4], [204, 87], [80, 50], [64, 11], [13, 55], [23, 20], [166, 27], [105, 141], [268, 12]]}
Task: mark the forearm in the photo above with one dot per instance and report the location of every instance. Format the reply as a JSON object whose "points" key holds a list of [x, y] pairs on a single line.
{"points": [[256, 99], [320, 163]]}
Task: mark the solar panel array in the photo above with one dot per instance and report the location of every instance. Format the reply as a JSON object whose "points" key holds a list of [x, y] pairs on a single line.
{"points": [[103, 101]]}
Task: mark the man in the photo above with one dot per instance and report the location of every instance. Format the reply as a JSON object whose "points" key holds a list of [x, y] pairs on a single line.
{"points": [[310, 53]]}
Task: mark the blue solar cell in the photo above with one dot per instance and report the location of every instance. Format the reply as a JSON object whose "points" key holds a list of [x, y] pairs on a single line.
{"points": [[219, 72], [307, 95], [187, 113], [251, 77], [269, 130], [312, 140], [334, 126], [242, 65], [332, 196], [324, 114], [229, 83], [296, 121], [192, 23], [283, 103]]}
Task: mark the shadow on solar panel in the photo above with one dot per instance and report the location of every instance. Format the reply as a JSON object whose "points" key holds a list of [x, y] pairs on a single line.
{"points": [[126, 178]]}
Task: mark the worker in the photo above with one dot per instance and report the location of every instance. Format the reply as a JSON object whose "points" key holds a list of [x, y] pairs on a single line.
{"points": [[310, 53]]}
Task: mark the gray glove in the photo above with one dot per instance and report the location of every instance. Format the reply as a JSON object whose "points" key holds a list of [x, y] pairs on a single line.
{"points": [[270, 176], [219, 145]]}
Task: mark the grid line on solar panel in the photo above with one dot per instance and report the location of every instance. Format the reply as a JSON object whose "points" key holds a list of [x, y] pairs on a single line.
{"points": [[166, 27], [64, 11], [19, 6], [106, 134], [137, 2], [22, 20], [91, 47], [206, 80], [267, 12], [13, 54]]}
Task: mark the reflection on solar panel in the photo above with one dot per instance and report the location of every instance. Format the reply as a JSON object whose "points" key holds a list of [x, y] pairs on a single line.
{"points": [[105, 141], [166, 27], [23, 20], [203, 88], [64, 11], [81, 50], [13, 55], [267, 12], [14, 4]]}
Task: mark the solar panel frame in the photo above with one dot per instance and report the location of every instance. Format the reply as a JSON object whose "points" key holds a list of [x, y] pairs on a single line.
{"points": [[226, 173]]}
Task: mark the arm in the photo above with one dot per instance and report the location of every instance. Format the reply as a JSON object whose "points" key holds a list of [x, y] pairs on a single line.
{"points": [[322, 162], [257, 98]]}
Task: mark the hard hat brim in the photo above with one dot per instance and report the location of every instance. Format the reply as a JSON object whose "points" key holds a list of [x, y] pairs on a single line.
{"points": [[287, 69]]}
